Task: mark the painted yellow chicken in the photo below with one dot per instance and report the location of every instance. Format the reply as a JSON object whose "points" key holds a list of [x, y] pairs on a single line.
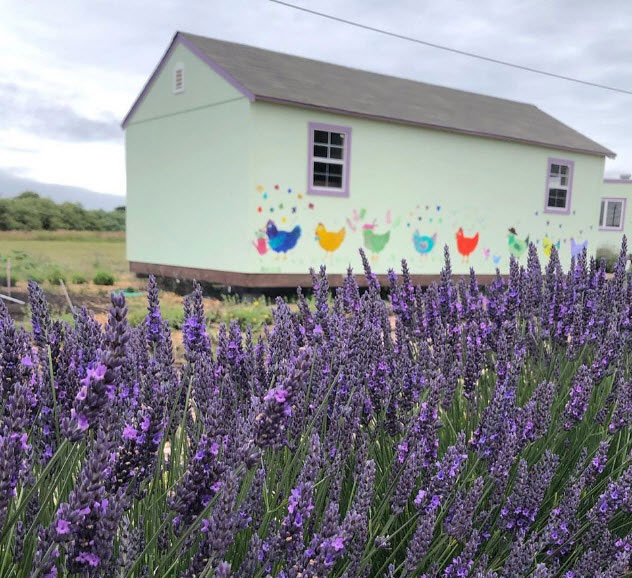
{"points": [[329, 240]]}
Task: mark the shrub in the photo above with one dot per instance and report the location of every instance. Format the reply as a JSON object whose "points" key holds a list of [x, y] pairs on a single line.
{"points": [[103, 278], [79, 279], [55, 276], [609, 256], [439, 433]]}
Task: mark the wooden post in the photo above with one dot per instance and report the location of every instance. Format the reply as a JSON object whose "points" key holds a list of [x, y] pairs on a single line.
{"points": [[9, 276], [63, 286]]}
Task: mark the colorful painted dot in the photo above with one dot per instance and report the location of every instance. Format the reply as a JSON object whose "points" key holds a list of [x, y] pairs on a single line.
{"points": [[260, 188], [259, 209], [419, 218], [408, 224], [573, 212], [441, 220], [560, 225], [294, 209], [438, 207], [276, 187], [272, 209], [581, 231], [427, 207], [536, 213], [289, 190], [311, 205], [265, 195], [283, 220], [548, 223], [300, 196], [431, 219]]}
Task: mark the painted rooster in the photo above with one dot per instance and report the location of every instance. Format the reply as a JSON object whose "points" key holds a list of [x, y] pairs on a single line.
{"points": [[547, 246], [282, 241], [424, 244], [372, 241], [578, 248], [329, 240], [517, 247], [465, 245]]}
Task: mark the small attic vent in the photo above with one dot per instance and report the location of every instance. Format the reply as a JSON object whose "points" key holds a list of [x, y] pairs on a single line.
{"points": [[178, 78]]}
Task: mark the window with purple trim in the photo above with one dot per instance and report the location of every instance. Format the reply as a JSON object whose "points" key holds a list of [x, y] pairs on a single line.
{"points": [[611, 214], [558, 186], [329, 159]]}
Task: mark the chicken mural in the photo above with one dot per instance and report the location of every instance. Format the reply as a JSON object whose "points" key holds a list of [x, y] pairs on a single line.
{"points": [[260, 244], [330, 241], [517, 247], [578, 248], [423, 243], [374, 242], [465, 245], [282, 241], [547, 245]]}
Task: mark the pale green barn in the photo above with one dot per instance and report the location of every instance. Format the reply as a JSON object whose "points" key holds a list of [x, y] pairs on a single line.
{"points": [[247, 167]]}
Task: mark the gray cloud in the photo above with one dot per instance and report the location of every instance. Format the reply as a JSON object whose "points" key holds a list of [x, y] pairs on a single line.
{"points": [[38, 113]]}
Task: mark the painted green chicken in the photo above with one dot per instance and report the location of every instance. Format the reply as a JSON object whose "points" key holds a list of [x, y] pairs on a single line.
{"points": [[517, 247], [373, 242]]}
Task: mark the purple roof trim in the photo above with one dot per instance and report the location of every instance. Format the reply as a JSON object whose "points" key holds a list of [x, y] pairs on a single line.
{"points": [[618, 181], [624, 202], [346, 167], [177, 40], [571, 166], [216, 67], [263, 98]]}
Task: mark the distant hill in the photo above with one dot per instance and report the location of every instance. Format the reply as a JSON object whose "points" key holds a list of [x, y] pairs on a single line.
{"points": [[11, 185]]}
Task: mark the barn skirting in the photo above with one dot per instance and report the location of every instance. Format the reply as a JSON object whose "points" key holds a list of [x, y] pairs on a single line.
{"points": [[269, 280]]}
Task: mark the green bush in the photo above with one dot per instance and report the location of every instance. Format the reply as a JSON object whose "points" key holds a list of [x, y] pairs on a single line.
{"points": [[56, 276], [103, 278], [79, 279], [608, 255]]}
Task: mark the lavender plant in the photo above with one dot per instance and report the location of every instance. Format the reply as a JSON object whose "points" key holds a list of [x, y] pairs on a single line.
{"points": [[453, 431]]}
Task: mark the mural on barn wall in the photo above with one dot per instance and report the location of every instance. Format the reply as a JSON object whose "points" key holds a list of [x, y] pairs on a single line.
{"points": [[293, 230]]}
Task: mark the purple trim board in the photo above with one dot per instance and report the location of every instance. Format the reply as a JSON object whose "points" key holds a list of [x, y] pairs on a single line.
{"points": [[571, 166], [346, 167], [177, 40], [624, 202]]}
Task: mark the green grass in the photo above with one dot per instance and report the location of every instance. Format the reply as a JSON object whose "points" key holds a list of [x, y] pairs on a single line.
{"points": [[41, 255]]}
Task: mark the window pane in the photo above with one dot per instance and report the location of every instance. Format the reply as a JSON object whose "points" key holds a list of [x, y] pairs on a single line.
{"points": [[320, 136], [320, 151], [320, 180], [320, 167], [562, 180], [613, 214], [337, 138], [555, 170], [601, 213], [335, 153], [335, 169], [557, 198], [564, 169], [335, 181]]}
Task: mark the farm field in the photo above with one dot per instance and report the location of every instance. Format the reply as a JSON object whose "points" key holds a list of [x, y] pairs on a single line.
{"points": [[77, 256]]}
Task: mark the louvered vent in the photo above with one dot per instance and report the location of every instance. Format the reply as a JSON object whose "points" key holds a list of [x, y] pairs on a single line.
{"points": [[178, 79]]}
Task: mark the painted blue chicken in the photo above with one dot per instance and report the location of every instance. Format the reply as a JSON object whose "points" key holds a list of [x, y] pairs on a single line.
{"points": [[423, 243], [282, 241]]}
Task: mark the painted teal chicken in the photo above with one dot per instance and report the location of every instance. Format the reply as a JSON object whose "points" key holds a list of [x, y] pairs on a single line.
{"points": [[517, 247], [423, 243], [373, 242]]}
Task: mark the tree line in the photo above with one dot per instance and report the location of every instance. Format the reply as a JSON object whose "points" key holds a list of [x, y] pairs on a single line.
{"points": [[30, 212]]}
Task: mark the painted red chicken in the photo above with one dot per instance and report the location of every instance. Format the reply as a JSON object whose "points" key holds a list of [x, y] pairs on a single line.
{"points": [[465, 245]]}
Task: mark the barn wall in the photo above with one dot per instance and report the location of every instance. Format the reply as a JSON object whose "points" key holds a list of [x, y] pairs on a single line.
{"points": [[187, 162], [405, 179]]}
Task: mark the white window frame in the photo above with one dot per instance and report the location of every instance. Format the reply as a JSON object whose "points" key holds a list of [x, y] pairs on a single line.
{"points": [[178, 69], [567, 186], [344, 162], [603, 213]]}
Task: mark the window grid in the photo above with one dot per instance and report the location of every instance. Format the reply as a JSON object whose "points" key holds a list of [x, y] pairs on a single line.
{"points": [[329, 148], [559, 185], [611, 214]]}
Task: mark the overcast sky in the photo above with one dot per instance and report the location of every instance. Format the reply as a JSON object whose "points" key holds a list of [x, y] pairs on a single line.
{"points": [[71, 69]]}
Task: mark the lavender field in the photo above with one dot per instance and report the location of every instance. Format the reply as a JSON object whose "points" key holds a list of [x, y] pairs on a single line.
{"points": [[447, 432]]}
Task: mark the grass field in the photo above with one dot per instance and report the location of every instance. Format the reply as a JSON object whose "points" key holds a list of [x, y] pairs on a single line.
{"points": [[73, 256]]}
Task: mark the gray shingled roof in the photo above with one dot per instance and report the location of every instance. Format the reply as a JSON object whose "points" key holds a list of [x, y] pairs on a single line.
{"points": [[299, 81]]}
